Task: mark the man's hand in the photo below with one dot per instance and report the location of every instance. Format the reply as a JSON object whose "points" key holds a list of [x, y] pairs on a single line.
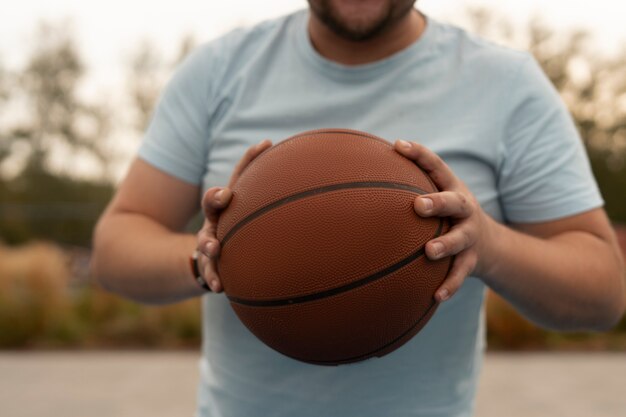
{"points": [[470, 230], [564, 274], [214, 201]]}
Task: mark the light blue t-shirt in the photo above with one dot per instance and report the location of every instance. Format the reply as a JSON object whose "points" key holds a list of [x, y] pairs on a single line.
{"points": [[487, 110]]}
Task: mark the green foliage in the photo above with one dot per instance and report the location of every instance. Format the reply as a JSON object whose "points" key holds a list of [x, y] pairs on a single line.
{"points": [[41, 202], [40, 205], [44, 199], [57, 115], [612, 182]]}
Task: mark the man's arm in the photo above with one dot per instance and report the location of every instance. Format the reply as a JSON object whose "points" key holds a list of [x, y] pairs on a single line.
{"points": [[139, 250], [565, 274]]}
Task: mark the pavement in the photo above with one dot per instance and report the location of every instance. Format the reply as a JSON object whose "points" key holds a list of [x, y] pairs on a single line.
{"points": [[160, 384]]}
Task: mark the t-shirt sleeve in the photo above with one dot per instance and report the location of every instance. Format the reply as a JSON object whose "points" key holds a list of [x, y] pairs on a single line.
{"points": [[176, 140], [544, 172]]}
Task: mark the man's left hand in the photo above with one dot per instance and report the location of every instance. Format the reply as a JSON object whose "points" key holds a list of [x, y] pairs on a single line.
{"points": [[471, 227]]}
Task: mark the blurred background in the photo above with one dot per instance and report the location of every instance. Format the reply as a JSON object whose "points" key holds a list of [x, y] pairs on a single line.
{"points": [[77, 86], [78, 82]]}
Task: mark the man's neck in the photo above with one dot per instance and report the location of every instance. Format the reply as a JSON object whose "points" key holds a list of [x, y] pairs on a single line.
{"points": [[347, 52]]}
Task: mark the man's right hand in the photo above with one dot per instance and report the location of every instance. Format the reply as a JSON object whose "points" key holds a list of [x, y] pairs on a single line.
{"points": [[214, 201]]}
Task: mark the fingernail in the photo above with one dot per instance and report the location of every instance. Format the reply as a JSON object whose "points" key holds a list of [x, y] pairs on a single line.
{"points": [[209, 247], [404, 144], [219, 196], [213, 285], [427, 204], [443, 295], [437, 249]]}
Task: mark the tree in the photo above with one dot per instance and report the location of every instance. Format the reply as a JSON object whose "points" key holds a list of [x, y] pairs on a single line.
{"points": [[53, 114], [43, 199], [4, 97]]}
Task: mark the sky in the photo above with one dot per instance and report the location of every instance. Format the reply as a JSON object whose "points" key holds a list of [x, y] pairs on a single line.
{"points": [[108, 32]]}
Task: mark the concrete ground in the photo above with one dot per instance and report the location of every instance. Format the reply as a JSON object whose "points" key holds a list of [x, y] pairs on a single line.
{"points": [[156, 384]]}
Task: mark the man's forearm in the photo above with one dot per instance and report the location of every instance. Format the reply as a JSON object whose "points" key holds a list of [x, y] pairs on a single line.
{"points": [[570, 281], [142, 260]]}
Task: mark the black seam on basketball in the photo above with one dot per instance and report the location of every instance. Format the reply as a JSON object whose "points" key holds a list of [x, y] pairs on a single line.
{"points": [[337, 290], [433, 304], [316, 191]]}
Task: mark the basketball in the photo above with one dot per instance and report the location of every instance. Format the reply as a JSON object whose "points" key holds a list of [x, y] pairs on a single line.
{"points": [[322, 252]]}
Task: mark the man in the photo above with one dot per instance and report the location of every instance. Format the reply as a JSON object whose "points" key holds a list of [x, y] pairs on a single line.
{"points": [[513, 175]]}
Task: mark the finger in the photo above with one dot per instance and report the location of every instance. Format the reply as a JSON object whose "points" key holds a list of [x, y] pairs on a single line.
{"points": [[205, 234], [209, 249], [459, 238], [462, 265], [435, 167], [248, 157], [211, 277], [214, 201], [446, 203], [208, 245]]}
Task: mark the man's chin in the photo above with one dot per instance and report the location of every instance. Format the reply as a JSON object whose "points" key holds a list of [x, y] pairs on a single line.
{"points": [[359, 34], [355, 20], [358, 27]]}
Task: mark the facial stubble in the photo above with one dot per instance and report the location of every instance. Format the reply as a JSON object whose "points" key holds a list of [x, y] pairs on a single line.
{"points": [[325, 11]]}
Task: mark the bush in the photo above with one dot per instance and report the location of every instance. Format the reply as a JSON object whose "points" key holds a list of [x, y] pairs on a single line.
{"points": [[43, 306], [508, 330], [40, 307]]}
